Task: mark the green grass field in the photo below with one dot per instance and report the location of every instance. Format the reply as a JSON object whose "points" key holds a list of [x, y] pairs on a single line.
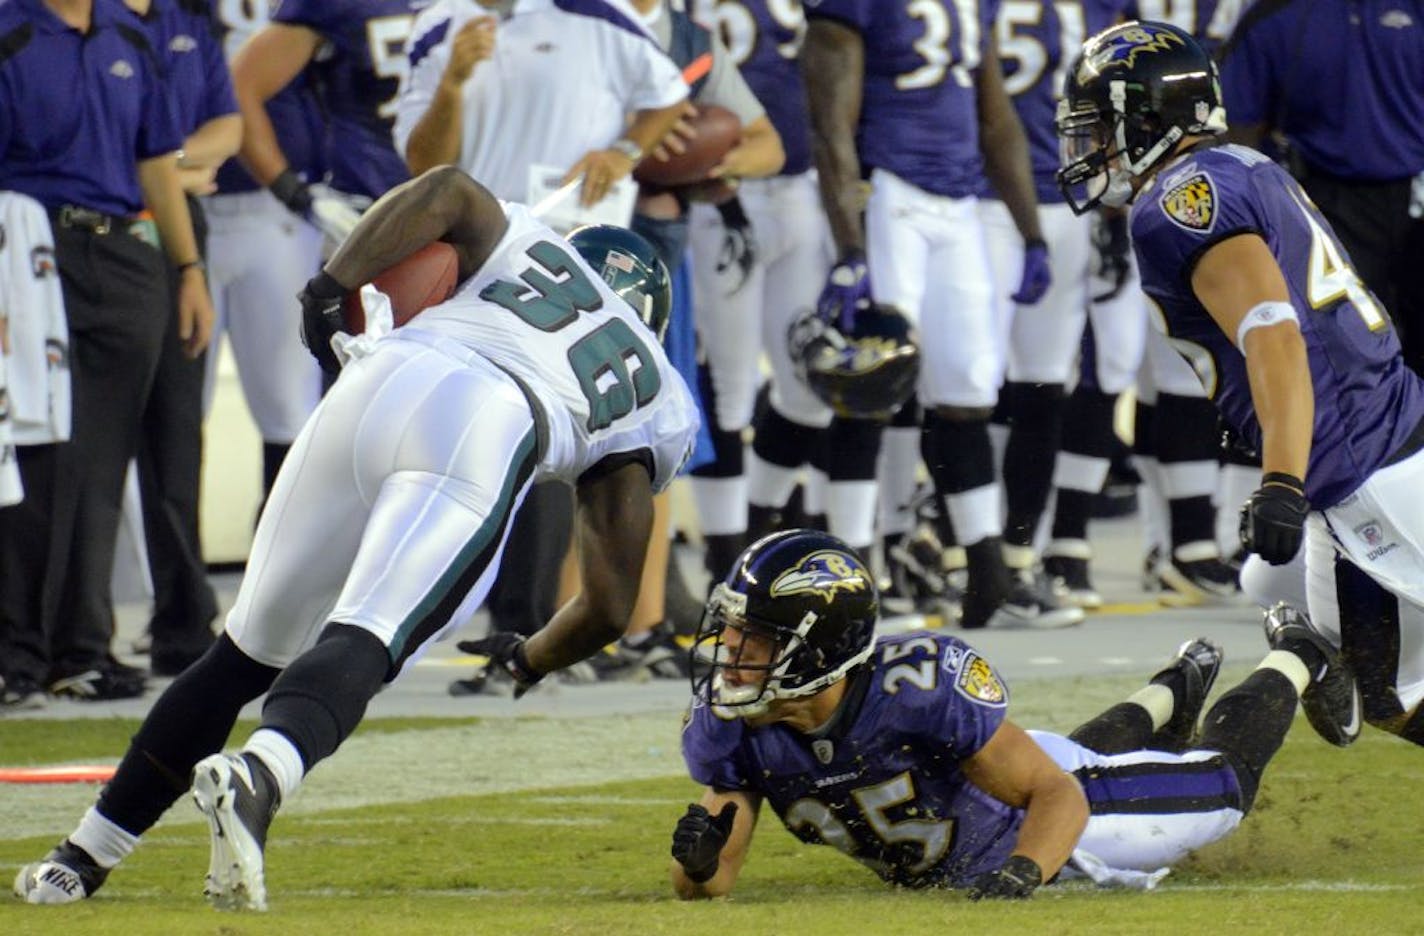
{"points": [[1333, 847]]}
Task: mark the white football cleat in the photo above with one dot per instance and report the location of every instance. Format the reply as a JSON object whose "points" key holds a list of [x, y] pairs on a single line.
{"points": [[238, 796]]}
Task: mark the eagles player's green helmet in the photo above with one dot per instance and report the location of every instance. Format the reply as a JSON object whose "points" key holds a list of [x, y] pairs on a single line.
{"points": [[810, 596], [630, 266]]}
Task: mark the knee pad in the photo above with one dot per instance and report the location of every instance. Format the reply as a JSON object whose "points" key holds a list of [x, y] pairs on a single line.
{"points": [[728, 456], [854, 449]]}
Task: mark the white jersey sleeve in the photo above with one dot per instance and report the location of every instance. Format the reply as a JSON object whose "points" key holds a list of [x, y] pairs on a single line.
{"points": [[649, 78], [598, 373]]}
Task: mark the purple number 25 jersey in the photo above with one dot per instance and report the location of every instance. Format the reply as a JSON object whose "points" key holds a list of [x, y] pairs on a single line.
{"points": [[885, 786], [1367, 403]]}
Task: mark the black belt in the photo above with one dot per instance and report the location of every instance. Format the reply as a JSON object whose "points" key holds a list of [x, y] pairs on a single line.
{"points": [[87, 219], [1409, 447]]}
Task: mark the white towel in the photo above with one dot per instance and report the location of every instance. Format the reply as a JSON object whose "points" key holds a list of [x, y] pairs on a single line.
{"points": [[11, 490], [30, 297], [379, 322]]}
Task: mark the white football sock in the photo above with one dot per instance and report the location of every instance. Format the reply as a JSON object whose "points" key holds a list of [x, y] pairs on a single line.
{"points": [[1159, 702], [280, 756], [106, 843]]}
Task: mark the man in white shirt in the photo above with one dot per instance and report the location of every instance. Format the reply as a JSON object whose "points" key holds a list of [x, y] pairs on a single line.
{"points": [[535, 82]]}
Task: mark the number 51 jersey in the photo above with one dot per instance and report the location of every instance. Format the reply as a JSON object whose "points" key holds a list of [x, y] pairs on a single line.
{"points": [[599, 375]]}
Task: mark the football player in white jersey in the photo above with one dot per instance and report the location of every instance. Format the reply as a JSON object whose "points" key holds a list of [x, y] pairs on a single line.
{"points": [[387, 522]]}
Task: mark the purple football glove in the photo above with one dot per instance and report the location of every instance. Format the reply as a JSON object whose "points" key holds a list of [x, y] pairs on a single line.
{"points": [[1037, 277], [847, 291]]}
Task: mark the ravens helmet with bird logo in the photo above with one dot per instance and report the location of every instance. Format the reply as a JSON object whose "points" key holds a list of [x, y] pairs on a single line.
{"points": [[866, 373], [803, 593], [1134, 92]]}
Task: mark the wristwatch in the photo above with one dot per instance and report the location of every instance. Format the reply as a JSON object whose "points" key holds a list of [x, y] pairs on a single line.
{"points": [[628, 148]]}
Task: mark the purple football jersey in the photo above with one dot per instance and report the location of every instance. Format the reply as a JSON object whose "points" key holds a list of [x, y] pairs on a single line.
{"points": [[357, 74], [295, 117], [885, 786], [1038, 40], [1366, 401], [764, 38], [918, 116], [1209, 21]]}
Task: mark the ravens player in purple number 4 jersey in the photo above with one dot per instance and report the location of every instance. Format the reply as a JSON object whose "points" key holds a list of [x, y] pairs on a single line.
{"points": [[898, 752], [1247, 280]]}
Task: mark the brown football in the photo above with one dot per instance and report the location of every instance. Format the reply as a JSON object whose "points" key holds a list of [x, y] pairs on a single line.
{"points": [[425, 278], [718, 130]]}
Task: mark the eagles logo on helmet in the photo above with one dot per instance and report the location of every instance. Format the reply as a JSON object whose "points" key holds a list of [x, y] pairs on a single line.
{"points": [[806, 594], [867, 374], [1134, 93], [631, 268]]}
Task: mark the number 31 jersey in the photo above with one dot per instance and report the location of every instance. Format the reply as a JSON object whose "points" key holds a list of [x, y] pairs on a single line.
{"points": [[918, 116], [1367, 403], [598, 373], [885, 786]]}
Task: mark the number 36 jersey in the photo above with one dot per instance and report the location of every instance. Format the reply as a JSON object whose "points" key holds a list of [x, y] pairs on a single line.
{"points": [[1367, 403], [885, 785], [602, 383]]}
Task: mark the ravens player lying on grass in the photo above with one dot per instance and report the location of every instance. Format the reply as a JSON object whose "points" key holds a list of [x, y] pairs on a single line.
{"points": [[898, 752]]}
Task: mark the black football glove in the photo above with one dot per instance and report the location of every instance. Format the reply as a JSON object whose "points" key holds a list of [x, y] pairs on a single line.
{"points": [[698, 839], [1114, 249], [1018, 878], [1273, 519], [506, 650], [739, 246], [321, 300]]}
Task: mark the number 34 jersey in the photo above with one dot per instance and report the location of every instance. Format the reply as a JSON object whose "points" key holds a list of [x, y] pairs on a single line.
{"points": [[885, 786], [598, 374], [1367, 403]]}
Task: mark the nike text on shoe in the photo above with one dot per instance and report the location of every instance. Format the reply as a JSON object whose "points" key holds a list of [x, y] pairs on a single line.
{"points": [[1197, 661], [238, 796], [67, 874], [1332, 700]]}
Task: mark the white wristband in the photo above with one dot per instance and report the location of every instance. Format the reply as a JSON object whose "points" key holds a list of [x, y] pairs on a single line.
{"points": [[1263, 315]]}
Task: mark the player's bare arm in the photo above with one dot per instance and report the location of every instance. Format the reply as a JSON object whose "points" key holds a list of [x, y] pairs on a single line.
{"points": [[1004, 146], [613, 521], [163, 194], [205, 149], [264, 65], [698, 834], [1232, 278], [1015, 770], [441, 204], [602, 168], [759, 154], [833, 61], [435, 140]]}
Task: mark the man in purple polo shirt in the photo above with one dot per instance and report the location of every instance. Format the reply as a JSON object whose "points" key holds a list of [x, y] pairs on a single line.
{"points": [[88, 130], [1343, 82]]}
